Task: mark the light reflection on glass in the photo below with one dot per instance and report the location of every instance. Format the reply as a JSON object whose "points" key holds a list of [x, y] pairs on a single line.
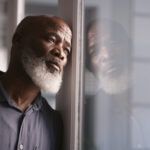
{"points": [[117, 105]]}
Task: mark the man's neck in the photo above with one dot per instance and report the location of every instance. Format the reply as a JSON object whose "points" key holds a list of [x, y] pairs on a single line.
{"points": [[21, 89]]}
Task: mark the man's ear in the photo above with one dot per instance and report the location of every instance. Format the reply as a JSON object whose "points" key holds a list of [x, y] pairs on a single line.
{"points": [[17, 39]]}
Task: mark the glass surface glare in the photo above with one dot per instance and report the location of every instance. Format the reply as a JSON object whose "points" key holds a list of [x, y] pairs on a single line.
{"points": [[117, 75]]}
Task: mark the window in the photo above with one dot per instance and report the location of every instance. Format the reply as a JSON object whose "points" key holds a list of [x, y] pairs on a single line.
{"points": [[117, 102]]}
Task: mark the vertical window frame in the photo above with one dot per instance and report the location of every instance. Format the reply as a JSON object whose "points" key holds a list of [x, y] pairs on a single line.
{"points": [[71, 106]]}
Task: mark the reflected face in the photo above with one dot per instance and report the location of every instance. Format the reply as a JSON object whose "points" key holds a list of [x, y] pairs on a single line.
{"points": [[107, 48], [107, 55]]}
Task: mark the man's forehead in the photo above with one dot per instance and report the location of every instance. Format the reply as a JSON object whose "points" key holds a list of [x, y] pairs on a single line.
{"points": [[60, 32], [43, 21], [55, 23], [64, 35], [60, 28]]}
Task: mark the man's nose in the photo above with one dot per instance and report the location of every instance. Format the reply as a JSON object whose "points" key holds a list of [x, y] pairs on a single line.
{"points": [[58, 52]]}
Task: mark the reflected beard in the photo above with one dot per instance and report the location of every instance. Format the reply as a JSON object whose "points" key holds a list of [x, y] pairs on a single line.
{"points": [[39, 73], [116, 85]]}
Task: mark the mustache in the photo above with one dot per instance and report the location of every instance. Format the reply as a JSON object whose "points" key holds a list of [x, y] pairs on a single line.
{"points": [[54, 60], [57, 60]]}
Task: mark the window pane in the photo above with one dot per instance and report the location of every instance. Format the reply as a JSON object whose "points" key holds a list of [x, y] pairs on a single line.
{"points": [[140, 128], [142, 6], [141, 76], [117, 62], [141, 45]]}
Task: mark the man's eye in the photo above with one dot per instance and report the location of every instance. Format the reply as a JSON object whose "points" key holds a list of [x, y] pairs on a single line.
{"points": [[51, 39], [67, 51]]}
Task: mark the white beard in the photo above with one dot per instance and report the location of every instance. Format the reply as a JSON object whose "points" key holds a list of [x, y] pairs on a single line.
{"points": [[116, 85], [40, 75]]}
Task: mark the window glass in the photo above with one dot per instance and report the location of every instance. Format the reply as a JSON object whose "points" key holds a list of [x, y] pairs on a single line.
{"points": [[117, 63], [141, 45], [141, 7]]}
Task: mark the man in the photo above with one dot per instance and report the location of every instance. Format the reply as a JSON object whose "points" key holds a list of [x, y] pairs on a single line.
{"points": [[40, 47]]}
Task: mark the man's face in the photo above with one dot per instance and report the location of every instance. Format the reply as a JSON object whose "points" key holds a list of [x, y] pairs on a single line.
{"points": [[52, 43], [47, 50]]}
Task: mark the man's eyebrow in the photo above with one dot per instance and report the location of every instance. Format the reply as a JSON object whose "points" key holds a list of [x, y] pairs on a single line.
{"points": [[68, 44], [53, 34], [57, 36]]}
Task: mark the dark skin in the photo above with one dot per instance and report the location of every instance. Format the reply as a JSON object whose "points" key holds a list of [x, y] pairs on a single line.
{"points": [[46, 37]]}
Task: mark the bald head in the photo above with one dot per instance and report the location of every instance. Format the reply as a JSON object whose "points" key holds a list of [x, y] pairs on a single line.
{"points": [[32, 24], [38, 26]]}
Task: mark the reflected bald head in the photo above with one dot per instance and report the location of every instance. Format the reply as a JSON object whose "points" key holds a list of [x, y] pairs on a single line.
{"points": [[32, 24]]}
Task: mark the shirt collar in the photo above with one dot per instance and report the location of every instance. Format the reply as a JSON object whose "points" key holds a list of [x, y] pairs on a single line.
{"points": [[38, 102], [4, 97]]}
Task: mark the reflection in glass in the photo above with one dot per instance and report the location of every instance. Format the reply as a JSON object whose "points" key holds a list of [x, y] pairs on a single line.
{"points": [[107, 110], [109, 53], [117, 76]]}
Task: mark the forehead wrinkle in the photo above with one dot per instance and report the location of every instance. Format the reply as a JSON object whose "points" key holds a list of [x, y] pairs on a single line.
{"points": [[61, 29], [66, 37], [59, 25], [64, 30]]}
